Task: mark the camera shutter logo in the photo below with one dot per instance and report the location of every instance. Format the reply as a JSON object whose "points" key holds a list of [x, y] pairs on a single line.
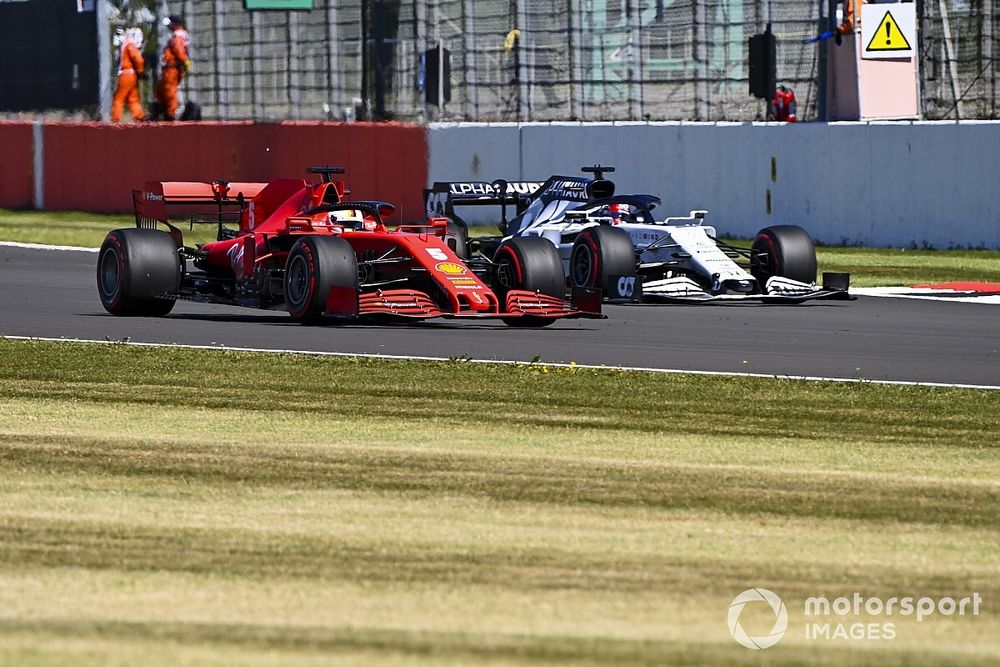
{"points": [[780, 620]]}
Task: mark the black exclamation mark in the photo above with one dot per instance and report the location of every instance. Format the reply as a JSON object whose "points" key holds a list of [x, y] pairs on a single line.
{"points": [[888, 34]]}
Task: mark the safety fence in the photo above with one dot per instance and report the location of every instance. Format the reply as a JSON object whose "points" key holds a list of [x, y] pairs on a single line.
{"points": [[567, 60]]}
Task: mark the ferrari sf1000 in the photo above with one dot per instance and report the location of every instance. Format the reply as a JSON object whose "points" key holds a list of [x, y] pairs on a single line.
{"points": [[300, 246]]}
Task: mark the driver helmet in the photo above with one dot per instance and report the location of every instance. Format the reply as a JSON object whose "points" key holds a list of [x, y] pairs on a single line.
{"points": [[618, 213], [347, 217]]}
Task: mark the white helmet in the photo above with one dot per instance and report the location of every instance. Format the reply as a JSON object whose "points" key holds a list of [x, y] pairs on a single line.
{"points": [[135, 35], [347, 217], [119, 37]]}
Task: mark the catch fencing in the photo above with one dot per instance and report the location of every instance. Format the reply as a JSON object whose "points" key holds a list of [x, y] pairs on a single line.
{"points": [[588, 60]]}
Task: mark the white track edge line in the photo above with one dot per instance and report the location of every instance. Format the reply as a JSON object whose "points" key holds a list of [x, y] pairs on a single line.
{"points": [[510, 362], [45, 246]]}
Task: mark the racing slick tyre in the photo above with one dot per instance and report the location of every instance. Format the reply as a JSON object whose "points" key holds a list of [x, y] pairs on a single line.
{"points": [[136, 268], [602, 257], [783, 250], [315, 264], [529, 263]]}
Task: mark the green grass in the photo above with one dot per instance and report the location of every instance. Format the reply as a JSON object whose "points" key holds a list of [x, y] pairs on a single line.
{"points": [[72, 228], [869, 267], [172, 506], [874, 267]]}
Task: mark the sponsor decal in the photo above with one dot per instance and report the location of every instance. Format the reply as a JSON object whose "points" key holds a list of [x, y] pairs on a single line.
{"points": [[152, 196], [626, 286], [462, 282], [486, 189], [575, 190], [451, 268]]}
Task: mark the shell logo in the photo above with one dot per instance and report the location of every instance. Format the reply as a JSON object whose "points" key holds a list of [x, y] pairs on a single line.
{"points": [[450, 268]]}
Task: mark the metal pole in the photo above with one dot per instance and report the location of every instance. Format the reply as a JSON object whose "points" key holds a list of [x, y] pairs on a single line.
{"points": [[572, 19], [221, 64], [420, 38], [294, 84], [333, 72], [103, 60], [255, 94], [988, 55], [377, 60], [635, 53], [701, 60], [524, 92], [471, 102], [821, 78], [365, 75], [440, 73], [949, 51]]}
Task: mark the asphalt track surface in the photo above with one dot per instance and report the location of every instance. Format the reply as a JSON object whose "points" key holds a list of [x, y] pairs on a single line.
{"points": [[53, 294]]}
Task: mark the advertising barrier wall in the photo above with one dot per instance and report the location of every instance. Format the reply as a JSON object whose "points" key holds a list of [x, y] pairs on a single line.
{"points": [[904, 184], [16, 168], [899, 184], [95, 166]]}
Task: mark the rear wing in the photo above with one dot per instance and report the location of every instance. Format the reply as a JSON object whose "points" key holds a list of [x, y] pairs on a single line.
{"points": [[228, 199], [443, 196]]}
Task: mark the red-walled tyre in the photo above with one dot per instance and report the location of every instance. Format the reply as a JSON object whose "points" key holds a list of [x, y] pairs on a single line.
{"points": [[601, 256], [529, 263], [137, 269], [315, 264], [783, 250]]}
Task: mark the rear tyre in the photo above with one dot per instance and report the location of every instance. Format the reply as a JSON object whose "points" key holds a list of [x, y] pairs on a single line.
{"points": [[316, 264], [136, 270], [783, 250], [528, 263], [601, 256]]}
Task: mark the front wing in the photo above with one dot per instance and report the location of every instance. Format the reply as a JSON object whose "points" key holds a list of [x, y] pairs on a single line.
{"points": [[778, 291], [412, 304]]}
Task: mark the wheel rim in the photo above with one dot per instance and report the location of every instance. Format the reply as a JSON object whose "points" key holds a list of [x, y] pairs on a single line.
{"points": [[764, 262], [297, 281], [110, 274], [583, 265], [505, 274]]}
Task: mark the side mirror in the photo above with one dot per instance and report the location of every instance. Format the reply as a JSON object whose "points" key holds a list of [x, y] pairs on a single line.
{"points": [[439, 225]]}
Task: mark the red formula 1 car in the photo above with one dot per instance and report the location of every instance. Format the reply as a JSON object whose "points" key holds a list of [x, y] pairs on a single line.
{"points": [[300, 246]]}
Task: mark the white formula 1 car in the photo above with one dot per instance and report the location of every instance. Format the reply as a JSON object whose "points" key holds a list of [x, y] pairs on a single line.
{"points": [[615, 243]]}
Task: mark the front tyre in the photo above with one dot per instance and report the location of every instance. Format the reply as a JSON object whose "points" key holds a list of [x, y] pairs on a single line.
{"points": [[137, 269], [528, 263], [315, 265], [783, 250], [601, 256]]}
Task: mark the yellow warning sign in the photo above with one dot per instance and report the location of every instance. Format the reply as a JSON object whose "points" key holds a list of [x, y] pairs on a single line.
{"points": [[888, 36]]}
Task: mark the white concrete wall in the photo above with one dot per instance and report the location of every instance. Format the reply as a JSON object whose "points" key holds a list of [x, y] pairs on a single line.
{"points": [[876, 184]]}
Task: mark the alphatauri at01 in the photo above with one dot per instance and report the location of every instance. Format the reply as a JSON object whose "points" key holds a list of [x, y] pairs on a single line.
{"points": [[616, 243]]}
